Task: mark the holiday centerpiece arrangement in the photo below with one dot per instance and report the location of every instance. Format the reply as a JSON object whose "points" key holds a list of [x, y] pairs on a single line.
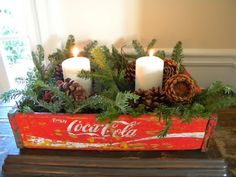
{"points": [[107, 99]]}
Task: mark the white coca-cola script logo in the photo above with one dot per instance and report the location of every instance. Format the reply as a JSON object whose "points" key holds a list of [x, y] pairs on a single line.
{"points": [[117, 128]]}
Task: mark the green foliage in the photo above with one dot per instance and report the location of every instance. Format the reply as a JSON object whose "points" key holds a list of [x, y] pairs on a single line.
{"points": [[108, 71], [88, 49], [138, 49], [109, 108], [100, 57], [70, 43], [123, 99], [10, 95], [64, 102], [161, 54], [38, 59], [178, 55]]}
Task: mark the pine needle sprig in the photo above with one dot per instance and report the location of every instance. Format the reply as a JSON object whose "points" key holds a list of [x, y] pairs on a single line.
{"points": [[221, 103], [161, 54], [216, 88], [38, 58], [178, 55], [138, 49], [70, 43], [99, 57], [61, 54], [119, 61], [58, 57], [88, 49]]}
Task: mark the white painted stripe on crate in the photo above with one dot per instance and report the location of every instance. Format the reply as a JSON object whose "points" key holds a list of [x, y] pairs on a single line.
{"points": [[173, 135], [42, 141]]}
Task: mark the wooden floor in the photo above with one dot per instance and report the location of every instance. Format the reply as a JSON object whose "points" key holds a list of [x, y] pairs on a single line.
{"points": [[223, 146]]}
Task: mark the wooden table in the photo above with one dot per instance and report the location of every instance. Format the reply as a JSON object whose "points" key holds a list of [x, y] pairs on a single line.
{"points": [[95, 164]]}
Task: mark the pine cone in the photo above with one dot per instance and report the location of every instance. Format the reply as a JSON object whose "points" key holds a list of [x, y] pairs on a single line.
{"points": [[150, 98], [170, 69], [72, 88], [48, 96], [58, 74], [130, 72], [180, 89]]}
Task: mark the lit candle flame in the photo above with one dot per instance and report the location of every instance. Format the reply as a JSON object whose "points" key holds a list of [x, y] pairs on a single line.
{"points": [[151, 52], [75, 51]]}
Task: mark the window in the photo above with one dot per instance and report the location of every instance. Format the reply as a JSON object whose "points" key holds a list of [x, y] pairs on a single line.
{"points": [[15, 51]]}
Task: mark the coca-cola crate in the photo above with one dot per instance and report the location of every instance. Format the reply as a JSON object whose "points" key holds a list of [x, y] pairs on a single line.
{"points": [[84, 132]]}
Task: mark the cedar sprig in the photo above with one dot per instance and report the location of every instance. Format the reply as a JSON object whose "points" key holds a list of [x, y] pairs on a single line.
{"points": [[12, 94], [54, 107]]}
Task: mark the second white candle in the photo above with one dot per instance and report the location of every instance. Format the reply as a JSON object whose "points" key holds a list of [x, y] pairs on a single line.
{"points": [[148, 72]]}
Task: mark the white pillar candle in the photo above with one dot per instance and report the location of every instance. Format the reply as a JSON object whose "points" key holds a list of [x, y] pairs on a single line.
{"points": [[148, 72], [72, 67]]}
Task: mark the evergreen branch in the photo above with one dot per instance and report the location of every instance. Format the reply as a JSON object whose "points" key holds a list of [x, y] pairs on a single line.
{"points": [[177, 53], [51, 107], [123, 99], [221, 103], [88, 49], [217, 88], [57, 57], [69, 103], [168, 125], [161, 54], [11, 95], [138, 49], [96, 102], [119, 62], [70, 43], [99, 58], [26, 109], [151, 45], [38, 58], [95, 75], [110, 114]]}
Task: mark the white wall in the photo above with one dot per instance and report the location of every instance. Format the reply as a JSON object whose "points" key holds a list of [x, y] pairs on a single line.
{"points": [[207, 28], [203, 24]]}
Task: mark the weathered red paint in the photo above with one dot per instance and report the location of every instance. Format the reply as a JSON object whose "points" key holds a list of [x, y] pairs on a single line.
{"points": [[82, 131]]}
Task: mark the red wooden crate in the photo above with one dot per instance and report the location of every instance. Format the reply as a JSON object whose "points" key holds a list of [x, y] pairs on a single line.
{"points": [[82, 131]]}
